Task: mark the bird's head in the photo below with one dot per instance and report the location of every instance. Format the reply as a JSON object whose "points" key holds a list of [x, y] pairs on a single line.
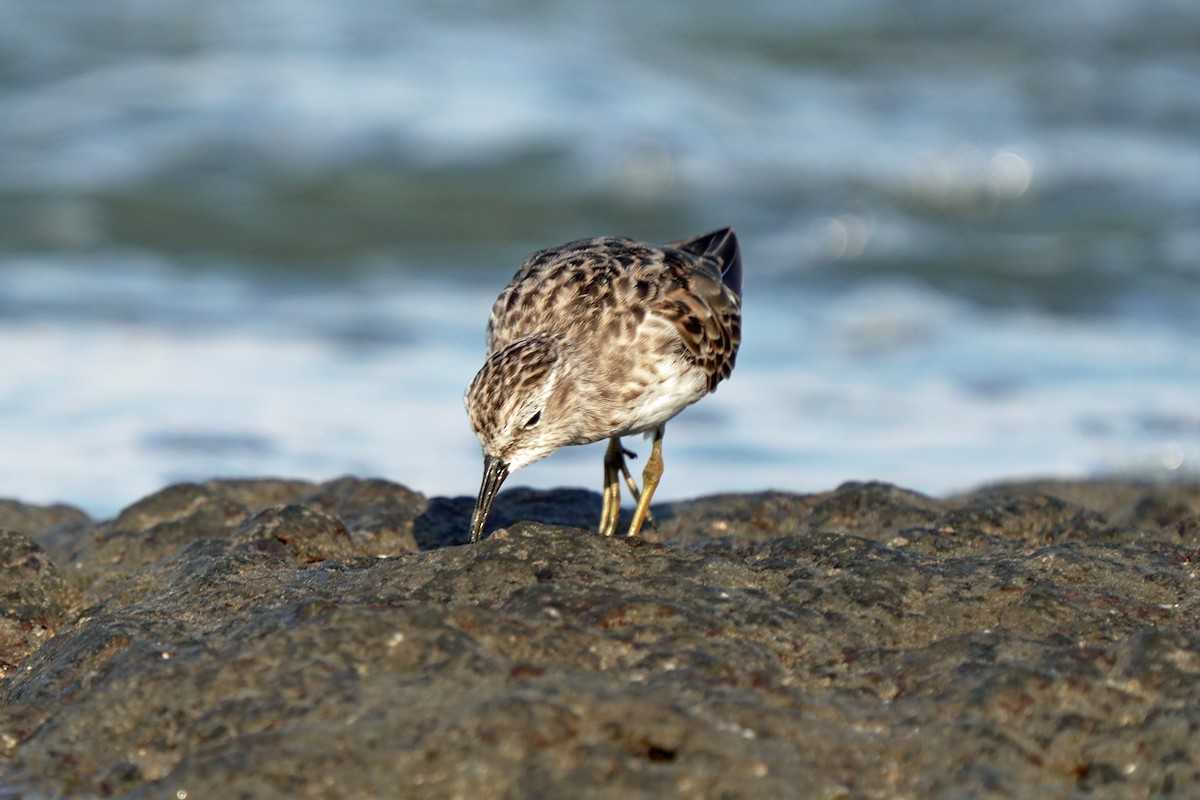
{"points": [[517, 405]]}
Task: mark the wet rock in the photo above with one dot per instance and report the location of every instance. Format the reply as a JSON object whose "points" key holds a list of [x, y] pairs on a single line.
{"points": [[246, 639]]}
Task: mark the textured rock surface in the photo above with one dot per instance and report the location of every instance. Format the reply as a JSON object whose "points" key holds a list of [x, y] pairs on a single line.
{"points": [[249, 639]]}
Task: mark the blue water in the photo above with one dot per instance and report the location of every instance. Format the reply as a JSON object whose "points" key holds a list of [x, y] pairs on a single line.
{"points": [[262, 238]]}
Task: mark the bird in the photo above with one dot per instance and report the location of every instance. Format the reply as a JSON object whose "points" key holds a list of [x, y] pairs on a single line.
{"points": [[598, 339]]}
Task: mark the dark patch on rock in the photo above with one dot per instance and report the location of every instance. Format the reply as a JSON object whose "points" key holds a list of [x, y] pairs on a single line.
{"points": [[446, 519], [247, 639]]}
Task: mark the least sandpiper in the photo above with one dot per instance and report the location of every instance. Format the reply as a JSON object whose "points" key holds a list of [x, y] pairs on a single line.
{"points": [[599, 339]]}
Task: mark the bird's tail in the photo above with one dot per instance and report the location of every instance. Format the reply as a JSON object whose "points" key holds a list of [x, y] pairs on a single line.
{"points": [[722, 247]]}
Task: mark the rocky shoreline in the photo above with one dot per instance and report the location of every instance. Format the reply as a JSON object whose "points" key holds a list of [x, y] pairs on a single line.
{"points": [[275, 638]]}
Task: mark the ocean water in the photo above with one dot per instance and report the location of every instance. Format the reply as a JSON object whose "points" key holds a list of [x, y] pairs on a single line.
{"points": [[262, 238]]}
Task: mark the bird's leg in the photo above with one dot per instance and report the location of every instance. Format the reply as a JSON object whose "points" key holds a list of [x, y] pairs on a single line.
{"points": [[614, 465], [650, 477], [633, 487]]}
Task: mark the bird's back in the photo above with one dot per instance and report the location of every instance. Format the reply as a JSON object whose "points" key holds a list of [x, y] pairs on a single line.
{"points": [[616, 288]]}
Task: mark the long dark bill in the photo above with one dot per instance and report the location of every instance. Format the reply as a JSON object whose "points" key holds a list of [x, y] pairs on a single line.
{"points": [[494, 473]]}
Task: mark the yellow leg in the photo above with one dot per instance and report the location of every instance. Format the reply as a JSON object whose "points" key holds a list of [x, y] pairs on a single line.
{"points": [[650, 477], [633, 487], [614, 464]]}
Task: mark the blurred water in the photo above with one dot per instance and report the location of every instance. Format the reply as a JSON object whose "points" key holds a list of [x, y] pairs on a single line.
{"points": [[262, 238]]}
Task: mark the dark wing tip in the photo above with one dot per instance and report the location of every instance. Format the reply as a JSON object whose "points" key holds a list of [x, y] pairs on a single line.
{"points": [[721, 245]]}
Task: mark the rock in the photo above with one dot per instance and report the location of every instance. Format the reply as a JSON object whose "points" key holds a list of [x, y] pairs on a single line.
{"points": [[49, 526], [248, 639], [378, 518], [33, 599]]}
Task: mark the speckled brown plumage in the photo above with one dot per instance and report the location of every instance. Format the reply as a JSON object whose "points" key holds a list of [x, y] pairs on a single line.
{"points": [[602, 338]]}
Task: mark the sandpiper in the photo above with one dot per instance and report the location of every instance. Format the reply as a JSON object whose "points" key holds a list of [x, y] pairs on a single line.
{"points": [[599, 339]]}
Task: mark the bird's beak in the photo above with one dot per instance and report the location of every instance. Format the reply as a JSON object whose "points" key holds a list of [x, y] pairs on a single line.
{"points": [[494, 473]]}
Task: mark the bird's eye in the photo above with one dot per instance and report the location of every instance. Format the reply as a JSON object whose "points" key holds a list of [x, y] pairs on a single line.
{"points": [[535, 419]]}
